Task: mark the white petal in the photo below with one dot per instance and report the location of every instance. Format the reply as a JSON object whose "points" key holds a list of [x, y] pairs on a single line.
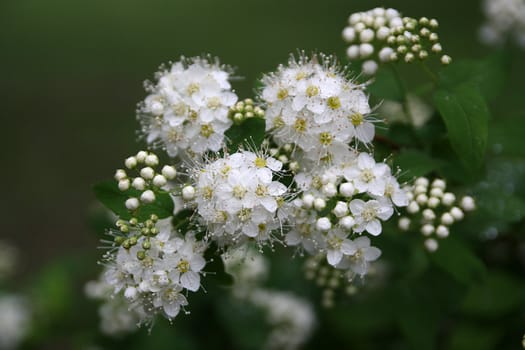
{"points": [[357, 206], [372, 253], [348, 247], [191, 281], [334, 256], [374, 227]]}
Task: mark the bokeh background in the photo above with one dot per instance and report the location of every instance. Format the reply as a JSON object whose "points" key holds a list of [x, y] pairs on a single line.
{"points": [[72, 73]]}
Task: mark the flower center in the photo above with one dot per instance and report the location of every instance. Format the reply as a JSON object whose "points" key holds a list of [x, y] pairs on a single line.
{"points": [[183, 266], [367, 175], [357, 119], [325, 138], [239, 192], [193, 88], [206, 130], [300, 125], [261, 190], [260, 162], [369, 213], [214, 102], [334, 102], [312, 91], [282, 94]]}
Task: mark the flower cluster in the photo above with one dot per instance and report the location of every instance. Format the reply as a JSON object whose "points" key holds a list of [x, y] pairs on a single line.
{"points": [[313, 105], [383, 35], [187, 109], [154, 267], [238, 199], [341, 204], [503, 18], [432, 210], [148, 181]]}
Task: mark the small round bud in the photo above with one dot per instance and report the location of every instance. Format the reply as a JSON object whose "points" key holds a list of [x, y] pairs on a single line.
{"points": [[445, 59], [431, 245], [420, 190], [436, 48], [359, 27], [428, 214], [354, 18], [329, 189], [120, 174], [151, 160], [442, 231], [352, 52], [424, 32], [367, 35], [123, 185], [423, 55], [427, 229], [147, 196], [391, 40], [433, 23], [283, 158], [340, 209], [457, 213], [159, 180], [133, 221], [139, 183], [448, 199], [188, 193], [416, 48], [467, 203], [141, 156], [130, 162], [319, 204], [294, 166], [413, 207], [433, 37], [385, 54], [436, 192], [169, 172], [383, 33], [439, 183], [308, 201], [409, 57], [447, 219], [323, 224], [401, 49], [287, 147], [433, 202], [365, 50], [132, 203], [370, 67], [421, 181], [146, 245], [424, 21], [346, 189], [422, 199], [147, 173], [141, 255], [124, 228], [349, 34], [347, 222], [404, 224]]}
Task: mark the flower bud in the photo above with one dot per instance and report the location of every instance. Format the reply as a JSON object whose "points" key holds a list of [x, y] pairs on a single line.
{"points": [[442, 231], [329, 189], [130, 162], [457, 213], [431, 245], [147, 196], [120, 174], [132, 203], [427, 229], [467, 203], [308, 201], [151, 160], [346, 189], [429, 215], [159, 180], [413, 207], [439, 183], [349, 34], [340, 209], [347, 222], [123, 185], [169, 172], [365, 50], [147, 173], [448, 199], [447, 219], [141, 156], [404, 224], [188, 193], [323, 224], [319, 204], [139, 183]]}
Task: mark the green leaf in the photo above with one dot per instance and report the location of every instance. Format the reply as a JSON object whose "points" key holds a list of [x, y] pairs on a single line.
{"points": [[250, 133], [415, 163], [114, 199], [466, 117], [500, 293], [488, 74], [459, 261]]}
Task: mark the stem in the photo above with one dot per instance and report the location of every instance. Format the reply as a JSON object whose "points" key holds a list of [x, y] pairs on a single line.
{"points": [[404, 91], [430, 74]]}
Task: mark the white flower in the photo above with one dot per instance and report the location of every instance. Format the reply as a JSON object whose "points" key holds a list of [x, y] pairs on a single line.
{"points": [[363, 255], [187, 109], [367, 214], [367, 175], [338, 246]]}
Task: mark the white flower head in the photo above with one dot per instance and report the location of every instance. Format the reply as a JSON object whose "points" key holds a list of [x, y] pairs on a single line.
{"points": [[187, 109]]}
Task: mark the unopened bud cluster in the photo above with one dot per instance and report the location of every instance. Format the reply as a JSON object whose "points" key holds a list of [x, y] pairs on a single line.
{"points": [[148, 180], [383, 35], [432, 210], [243, 110]]}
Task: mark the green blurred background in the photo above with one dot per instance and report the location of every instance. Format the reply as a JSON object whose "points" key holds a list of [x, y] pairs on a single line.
{"points": [[72, 73]]}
